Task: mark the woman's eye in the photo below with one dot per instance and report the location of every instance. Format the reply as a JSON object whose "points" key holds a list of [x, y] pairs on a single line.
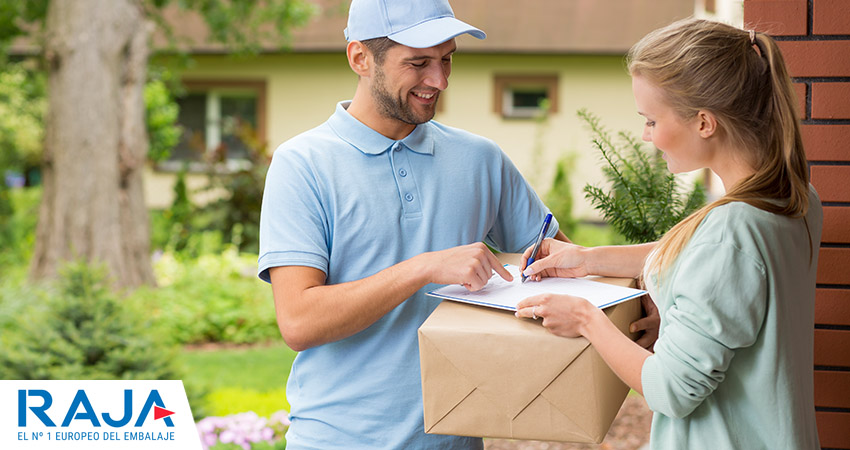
{"points": [[650, 123]]}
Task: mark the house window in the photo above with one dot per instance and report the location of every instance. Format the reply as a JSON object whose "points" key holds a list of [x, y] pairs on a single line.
{"points": [[524, 96], [222, 123]]}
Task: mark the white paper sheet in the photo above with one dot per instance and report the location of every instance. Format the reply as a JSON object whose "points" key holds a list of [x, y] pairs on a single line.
{"points": [[502, 294]]}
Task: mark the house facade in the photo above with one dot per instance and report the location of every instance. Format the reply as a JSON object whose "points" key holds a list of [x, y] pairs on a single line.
{"points": [[568, 52]]}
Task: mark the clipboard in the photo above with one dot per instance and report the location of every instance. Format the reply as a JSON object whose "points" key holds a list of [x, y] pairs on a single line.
{"points": [[502, 294]]}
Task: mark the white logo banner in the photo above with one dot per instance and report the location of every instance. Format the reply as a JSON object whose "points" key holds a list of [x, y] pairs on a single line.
{"points": [[88, 414]]}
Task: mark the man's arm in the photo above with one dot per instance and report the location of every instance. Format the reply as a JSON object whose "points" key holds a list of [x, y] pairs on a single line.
{"points": [[311, 313], [562, 237]]}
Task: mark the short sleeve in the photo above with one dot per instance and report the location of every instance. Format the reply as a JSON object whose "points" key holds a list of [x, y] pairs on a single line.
{"points": [[520, 212], [719, 297], [293, 225]]}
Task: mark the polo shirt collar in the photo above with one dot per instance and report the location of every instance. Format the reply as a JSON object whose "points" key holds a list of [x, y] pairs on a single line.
{"points": [[370, 141]]}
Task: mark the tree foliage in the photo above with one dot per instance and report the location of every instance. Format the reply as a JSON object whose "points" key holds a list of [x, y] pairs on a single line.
{"points": [[241, 24], [161, 111], [22, 108], [645, 199]]}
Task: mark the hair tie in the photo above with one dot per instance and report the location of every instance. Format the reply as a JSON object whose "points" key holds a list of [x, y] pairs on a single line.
{"points": [[752, 36]]}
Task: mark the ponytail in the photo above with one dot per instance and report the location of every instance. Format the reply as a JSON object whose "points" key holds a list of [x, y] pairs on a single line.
{"points": [[741, 78]]}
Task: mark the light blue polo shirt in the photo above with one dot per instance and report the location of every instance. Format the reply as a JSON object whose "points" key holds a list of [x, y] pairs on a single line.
{"points": [[351, 202]]}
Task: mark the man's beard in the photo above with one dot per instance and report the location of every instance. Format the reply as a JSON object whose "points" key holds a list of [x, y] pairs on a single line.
{"points": [[398, 108]]}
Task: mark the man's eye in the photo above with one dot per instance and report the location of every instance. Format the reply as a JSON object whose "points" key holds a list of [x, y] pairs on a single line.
{"points": [[422, 64]]}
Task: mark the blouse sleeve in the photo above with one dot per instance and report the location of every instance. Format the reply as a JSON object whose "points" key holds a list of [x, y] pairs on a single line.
{"points": [[718, 299]]}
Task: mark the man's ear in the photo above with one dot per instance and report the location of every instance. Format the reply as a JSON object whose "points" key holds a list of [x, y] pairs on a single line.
{"points": [[707, 123], [359, 58]]}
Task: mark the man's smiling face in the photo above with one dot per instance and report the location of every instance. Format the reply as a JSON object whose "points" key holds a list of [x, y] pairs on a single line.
{"points": [[407, 85]]}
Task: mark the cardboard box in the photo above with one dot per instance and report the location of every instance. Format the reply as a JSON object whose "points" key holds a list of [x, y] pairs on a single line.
{"points": [[486, 373]]}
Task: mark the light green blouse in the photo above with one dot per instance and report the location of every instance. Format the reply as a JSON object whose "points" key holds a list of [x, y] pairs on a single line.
{"points": [[733, 364]]}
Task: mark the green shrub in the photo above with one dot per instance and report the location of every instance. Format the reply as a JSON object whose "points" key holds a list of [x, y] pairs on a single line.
{"points": [[18, 217], [83, 331], [213, 298], [645, 199], [559, 199], [161, 111], [237, 215], [172, 228]]}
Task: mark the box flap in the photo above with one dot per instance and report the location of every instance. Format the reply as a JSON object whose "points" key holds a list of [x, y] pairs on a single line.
{"points": [[544, 357]]}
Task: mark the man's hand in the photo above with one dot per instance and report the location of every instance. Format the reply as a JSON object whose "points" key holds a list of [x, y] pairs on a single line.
{"points": [[469, 265]]}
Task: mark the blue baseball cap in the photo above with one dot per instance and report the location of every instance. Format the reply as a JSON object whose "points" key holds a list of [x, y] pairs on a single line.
{"points": [[414, 23]]}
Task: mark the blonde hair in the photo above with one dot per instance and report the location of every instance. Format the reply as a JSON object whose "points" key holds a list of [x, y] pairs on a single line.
{"points": [[740, 77]]}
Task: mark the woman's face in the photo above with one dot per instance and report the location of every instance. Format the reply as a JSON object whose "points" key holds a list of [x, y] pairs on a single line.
{"points": [[678, 139]]}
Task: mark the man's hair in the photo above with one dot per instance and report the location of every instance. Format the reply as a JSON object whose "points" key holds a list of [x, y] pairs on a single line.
{"points": [[378, 47]]}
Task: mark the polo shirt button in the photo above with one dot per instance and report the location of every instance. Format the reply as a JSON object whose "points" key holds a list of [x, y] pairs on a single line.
{"points": [[397, 148], [408, 197], [402, 172]]}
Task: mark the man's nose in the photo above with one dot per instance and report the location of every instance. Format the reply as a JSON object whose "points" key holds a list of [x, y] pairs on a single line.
{"points": [[437, 77]]}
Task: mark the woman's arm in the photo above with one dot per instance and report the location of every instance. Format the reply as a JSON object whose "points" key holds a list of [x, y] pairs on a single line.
{"points": [[562, 259]]}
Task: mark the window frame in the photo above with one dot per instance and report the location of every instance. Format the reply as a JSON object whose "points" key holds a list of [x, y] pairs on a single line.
{"points": [[502, 85], [215, 87]]}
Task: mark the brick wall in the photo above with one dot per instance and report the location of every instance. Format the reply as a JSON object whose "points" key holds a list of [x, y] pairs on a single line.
{"points": [[815, 39]]}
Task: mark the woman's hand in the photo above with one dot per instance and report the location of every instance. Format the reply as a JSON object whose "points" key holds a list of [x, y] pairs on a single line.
{"points": [[563, 315], [649, 324], [555, 259]]}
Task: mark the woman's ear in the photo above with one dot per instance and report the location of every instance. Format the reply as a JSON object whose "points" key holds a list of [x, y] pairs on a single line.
{"points": [[707, 123], [359, 58]]}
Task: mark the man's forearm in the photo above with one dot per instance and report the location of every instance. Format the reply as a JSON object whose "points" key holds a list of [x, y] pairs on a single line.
{"points": [[321, 313]]}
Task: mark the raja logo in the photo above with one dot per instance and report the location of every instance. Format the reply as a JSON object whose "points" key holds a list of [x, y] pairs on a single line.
{"points": [[81, 400]]}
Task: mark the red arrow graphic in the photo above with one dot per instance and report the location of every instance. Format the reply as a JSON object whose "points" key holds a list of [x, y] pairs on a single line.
{"points": [[159, 413]]}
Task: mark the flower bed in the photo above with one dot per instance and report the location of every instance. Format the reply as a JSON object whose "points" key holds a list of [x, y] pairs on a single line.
{"points": [[245, 430]]}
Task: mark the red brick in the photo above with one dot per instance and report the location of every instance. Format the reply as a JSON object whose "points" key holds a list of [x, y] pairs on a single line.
{"points": [[832, 183], [827, 142], [800, 91], [836, 225], [816, 58], [830, 348], [832, 307], [833, 429], [834, 266], [831, 100], [831, 17], [832, 389], [776, 17]]}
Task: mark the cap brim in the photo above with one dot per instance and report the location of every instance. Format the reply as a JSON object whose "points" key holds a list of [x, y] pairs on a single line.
{"points": [[435, 32]]}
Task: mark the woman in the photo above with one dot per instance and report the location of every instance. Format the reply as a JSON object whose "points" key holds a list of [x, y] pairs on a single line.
{"points": [[734, 282]]}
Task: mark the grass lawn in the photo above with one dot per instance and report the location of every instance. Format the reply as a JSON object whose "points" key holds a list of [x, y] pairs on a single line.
{"points": [[241, 379]]}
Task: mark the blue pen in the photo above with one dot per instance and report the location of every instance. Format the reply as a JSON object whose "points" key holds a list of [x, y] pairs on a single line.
{"points": [[539, 241]]}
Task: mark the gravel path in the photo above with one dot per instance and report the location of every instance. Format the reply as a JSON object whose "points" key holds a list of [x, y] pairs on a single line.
{"points": [[629, 431]]}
